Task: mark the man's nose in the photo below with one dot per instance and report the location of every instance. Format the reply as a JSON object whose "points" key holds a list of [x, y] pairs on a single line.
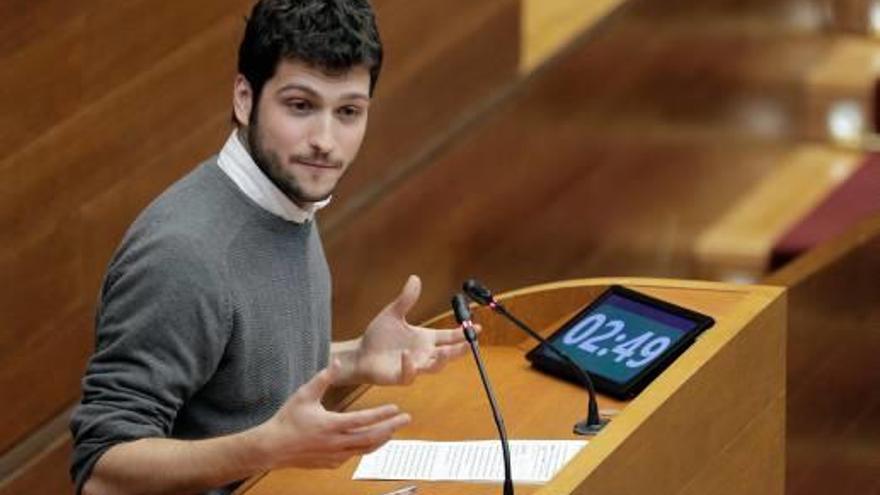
{"points": [[321, 135]]}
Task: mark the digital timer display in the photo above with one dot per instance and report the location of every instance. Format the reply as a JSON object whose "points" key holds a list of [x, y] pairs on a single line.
{"points": [[623, 339]]}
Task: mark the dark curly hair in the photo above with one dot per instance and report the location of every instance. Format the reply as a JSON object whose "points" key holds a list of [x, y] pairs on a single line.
{"points": [[334, 35]]}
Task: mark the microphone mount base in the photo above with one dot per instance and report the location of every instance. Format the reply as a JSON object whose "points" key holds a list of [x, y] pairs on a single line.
{"points": [[583, 429]]}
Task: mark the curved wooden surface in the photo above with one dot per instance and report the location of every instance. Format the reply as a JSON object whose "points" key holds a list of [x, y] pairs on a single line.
{"points": [[694, 430]]}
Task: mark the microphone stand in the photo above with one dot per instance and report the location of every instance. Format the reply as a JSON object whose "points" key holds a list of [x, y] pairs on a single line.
{"points": [[462, 315], [594, 422]]}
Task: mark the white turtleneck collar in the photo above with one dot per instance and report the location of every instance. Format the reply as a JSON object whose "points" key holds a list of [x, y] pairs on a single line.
{"points": [[238, 164]]}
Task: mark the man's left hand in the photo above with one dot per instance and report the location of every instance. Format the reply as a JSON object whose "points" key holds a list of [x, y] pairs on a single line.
{"points": [[394, 352]]}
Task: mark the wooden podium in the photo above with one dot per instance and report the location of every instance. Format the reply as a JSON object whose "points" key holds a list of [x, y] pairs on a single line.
{"points": [[712, 423]]}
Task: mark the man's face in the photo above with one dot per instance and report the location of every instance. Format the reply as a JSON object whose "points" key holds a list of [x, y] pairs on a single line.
{"points": [[307, 127]]}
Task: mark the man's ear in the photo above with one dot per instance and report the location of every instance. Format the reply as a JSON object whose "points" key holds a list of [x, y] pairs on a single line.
{"points": [[242, 100]]}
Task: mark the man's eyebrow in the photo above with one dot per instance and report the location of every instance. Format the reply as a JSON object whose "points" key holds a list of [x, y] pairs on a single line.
{"points": [[311, 92], [356, 96], [300, 87]]}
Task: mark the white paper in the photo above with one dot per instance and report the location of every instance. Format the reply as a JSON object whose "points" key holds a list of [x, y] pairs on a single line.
{"points": [[531, 461]]}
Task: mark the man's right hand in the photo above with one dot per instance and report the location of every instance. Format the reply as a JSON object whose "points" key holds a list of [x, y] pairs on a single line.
{"points": [[304, 434], [301, 434]]}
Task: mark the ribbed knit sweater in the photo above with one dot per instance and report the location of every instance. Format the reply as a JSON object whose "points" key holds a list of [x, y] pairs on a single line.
{"points": [[212, 312]]}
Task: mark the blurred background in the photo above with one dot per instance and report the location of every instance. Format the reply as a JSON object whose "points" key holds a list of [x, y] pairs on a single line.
{"points": [[517, 141]]}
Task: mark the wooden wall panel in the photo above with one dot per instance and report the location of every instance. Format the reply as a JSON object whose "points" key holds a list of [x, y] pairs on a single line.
{"points": [[851, 15], [26, 21], [45, 73], [593, 167], [47, 474], [66, 57], [41, 377], [430, 84], [152, 30], [45, 184], [611, 161], [591, 216], [833, 425], [126, 112]]}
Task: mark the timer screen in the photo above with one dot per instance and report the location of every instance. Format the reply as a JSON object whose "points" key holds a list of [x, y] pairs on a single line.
{"points": [[622, 339]]}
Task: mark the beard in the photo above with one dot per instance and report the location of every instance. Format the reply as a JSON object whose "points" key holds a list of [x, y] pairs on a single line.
{"points": [[271, 164]]}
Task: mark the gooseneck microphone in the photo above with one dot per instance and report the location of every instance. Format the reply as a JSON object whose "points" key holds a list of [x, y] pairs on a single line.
{"points": [[483, 296], [463, 317]]}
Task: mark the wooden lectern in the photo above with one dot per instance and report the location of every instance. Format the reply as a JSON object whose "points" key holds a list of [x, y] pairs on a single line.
{"points": [[712, 423]]}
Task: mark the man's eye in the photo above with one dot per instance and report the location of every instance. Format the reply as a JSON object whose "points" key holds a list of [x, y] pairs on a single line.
{"points": [[299, 105], [350, 111]]}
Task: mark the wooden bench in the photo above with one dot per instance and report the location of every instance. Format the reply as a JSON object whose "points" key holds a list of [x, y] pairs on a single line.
{"points": [[739, 245], [840, 91], [855, 199]]}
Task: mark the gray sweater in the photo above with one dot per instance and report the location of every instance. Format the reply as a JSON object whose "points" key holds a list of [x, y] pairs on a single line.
{"points": [[212, 312]]}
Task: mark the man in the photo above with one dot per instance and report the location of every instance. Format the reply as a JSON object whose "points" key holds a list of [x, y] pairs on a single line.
{"points": [[214, 316]]}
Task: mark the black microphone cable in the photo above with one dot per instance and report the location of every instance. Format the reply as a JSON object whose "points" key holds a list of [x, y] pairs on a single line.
{"points": [[594, 422]]}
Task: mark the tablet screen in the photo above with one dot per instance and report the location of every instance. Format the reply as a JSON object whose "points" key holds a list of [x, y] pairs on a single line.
{"points": [[623, 336]]}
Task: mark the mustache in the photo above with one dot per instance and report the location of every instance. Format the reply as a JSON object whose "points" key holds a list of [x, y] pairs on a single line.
{"points": [[320, 161]]}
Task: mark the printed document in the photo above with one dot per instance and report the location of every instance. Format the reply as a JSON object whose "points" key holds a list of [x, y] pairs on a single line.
{"points": [[532, 461]]}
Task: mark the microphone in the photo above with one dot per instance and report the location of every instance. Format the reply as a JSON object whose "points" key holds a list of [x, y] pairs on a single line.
{"points": [[463, 317], [594, 423]]}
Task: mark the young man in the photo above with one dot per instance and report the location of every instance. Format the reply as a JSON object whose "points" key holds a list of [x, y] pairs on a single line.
{"points": [[214, 317]]}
